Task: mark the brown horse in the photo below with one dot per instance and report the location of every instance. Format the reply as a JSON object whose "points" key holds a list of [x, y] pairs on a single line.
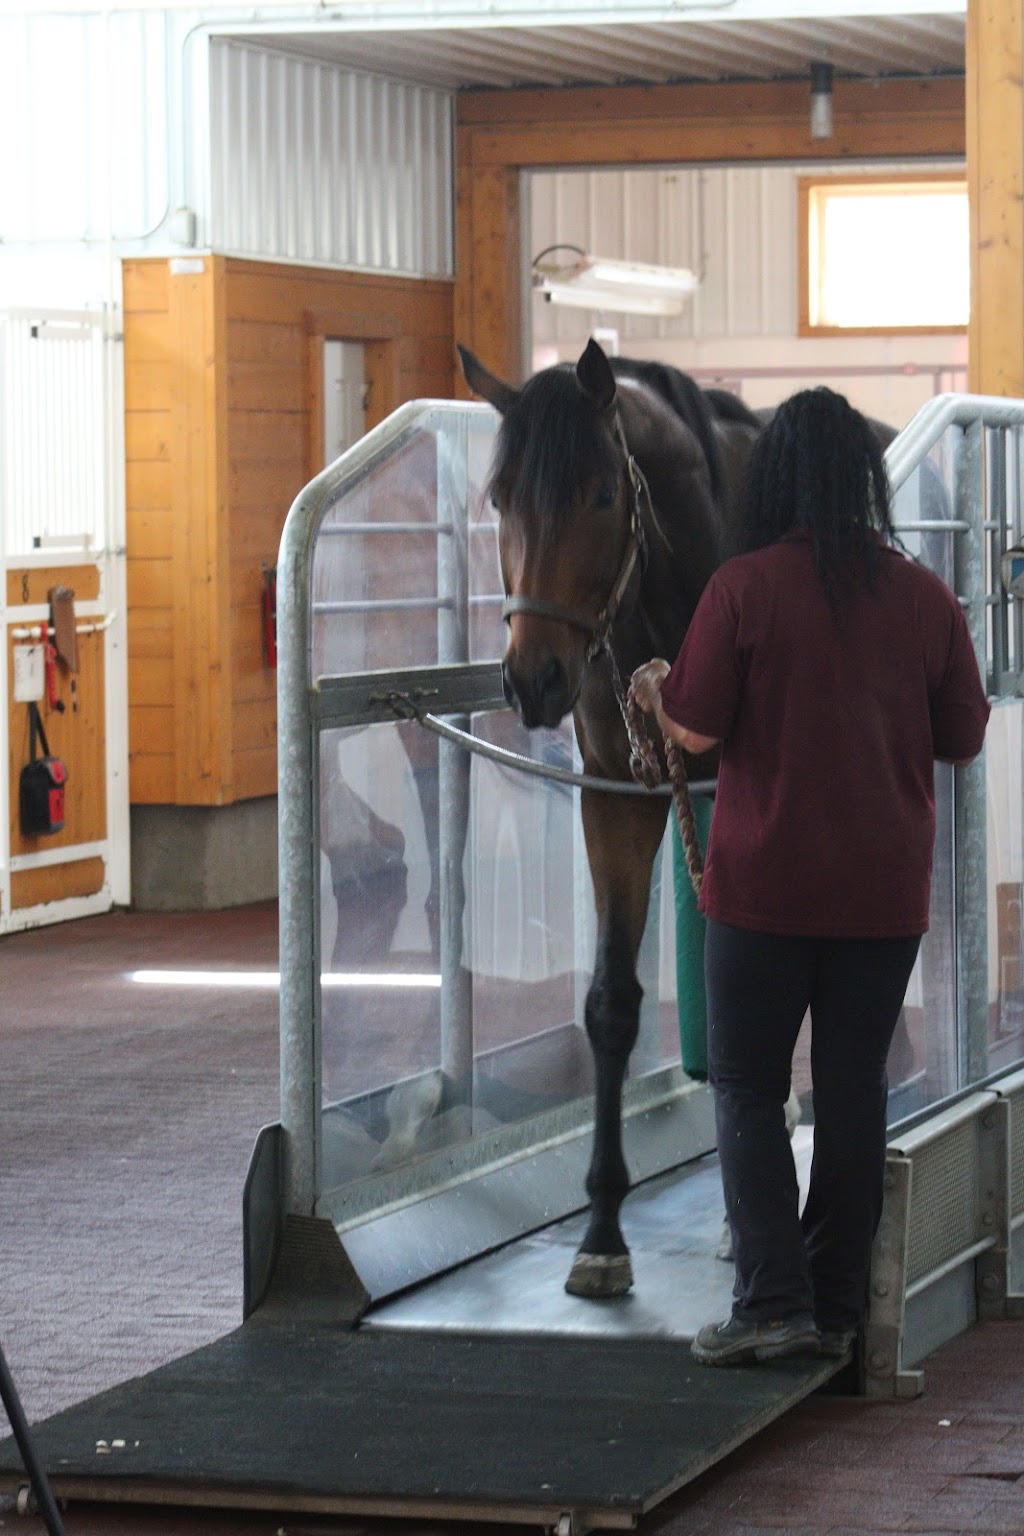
{"points": [[617, 486]]}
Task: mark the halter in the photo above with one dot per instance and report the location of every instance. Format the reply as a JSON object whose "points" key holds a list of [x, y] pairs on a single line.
{"points": [[599, 628]]}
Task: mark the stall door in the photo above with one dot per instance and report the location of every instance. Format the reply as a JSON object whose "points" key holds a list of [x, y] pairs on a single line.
{"points": [[62, 607]]}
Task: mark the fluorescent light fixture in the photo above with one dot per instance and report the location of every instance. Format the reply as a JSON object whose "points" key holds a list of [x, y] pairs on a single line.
{"points": [[273, 979], [639, 277], [604, 283], [589, 296]]}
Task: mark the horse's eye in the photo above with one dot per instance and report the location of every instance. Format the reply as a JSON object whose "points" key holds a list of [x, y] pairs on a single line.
{"points": [[604, 499]]}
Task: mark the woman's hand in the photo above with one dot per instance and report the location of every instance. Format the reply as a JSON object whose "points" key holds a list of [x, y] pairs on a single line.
{"points": [[645, 684]]}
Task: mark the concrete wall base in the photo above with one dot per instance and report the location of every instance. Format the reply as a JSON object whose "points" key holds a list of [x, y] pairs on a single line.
{"points": [[190, 858]]}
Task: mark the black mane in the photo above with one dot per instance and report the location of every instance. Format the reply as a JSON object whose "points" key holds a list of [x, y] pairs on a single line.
{"points": [[550, 433], [688, 401]]}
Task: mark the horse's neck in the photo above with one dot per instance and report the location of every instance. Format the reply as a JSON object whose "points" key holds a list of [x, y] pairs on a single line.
{"points": [[683, 527]]}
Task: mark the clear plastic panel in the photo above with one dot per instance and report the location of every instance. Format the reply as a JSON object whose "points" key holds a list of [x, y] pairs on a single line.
{"points": [[411, 1065], [1004, 754], [402, 575], [924, 1060]]}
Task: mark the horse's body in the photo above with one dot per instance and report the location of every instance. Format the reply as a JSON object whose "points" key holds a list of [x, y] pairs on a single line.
{"points": [[584, 595]]}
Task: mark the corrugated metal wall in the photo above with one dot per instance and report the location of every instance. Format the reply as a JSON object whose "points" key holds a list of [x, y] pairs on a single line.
{"points": [[314, 163], [738, 225]]}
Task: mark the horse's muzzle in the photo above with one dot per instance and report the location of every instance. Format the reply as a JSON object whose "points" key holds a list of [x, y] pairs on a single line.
{"points": [[541, 696]]}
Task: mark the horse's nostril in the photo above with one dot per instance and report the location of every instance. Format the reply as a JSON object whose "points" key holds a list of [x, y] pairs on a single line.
{"points": [[551, 682]]}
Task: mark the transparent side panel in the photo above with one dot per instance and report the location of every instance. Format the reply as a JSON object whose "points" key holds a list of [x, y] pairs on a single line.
{"points": [[440, 864], [402, 574], [1004, 752]]}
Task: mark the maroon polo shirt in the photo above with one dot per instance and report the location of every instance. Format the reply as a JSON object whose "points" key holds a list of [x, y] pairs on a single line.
{"points": [[824, 819]]}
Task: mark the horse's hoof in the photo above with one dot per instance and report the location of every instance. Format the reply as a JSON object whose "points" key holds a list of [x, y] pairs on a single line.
{"points": [[600, 1276]]}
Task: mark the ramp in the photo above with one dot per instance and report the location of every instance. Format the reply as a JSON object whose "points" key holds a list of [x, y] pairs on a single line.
{"points": [[486, 1394], [427, 1423]]}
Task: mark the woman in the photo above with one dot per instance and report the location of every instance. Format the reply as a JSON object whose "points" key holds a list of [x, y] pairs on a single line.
{"points": [[833, 671]]}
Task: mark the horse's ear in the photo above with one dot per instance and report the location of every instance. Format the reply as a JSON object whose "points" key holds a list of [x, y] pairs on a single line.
{"points": [[483, 383], [594, 373]]}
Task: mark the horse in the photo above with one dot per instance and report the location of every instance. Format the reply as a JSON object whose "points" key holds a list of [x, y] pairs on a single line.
{"points": [[617, 485]]}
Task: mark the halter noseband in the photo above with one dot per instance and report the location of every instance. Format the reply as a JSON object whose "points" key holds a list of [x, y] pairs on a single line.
{"points": [[600, 628]]}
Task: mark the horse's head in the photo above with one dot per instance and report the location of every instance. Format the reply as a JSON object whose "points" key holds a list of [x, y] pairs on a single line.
{"points": [[567, 528]]}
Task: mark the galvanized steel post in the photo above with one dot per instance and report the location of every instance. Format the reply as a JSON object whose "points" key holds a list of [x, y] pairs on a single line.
{"points": [[454, 766], [298, 860], [969, 786]]}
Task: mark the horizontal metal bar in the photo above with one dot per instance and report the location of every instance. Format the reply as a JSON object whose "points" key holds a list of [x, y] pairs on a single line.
{"points": [[933, 525], [333, 530], [20, 633], [939, 1119], [363, 698], [203, 1494], [384, 605], [531, 766], [942, 1270]]}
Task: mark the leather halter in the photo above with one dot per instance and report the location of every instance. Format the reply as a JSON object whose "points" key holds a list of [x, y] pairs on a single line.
{"points": [[599, 628]]}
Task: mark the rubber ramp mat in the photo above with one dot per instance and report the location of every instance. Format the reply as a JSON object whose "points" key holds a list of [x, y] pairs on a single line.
{"points": [[441, 1424]]}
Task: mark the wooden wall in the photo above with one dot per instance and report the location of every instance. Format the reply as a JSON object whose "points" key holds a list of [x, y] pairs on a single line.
{"points": [[995, 177], [224, 427]]}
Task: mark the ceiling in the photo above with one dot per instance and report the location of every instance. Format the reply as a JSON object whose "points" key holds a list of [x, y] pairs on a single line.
{"points": [[497, 56]]}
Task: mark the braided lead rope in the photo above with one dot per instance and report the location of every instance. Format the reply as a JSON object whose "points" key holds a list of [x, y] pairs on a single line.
{"points": [[645, 768], [684, 814]]}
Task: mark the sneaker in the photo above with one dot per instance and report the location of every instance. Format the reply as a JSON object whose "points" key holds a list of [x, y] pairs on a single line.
{"points": [[837, 1343], [741, 1343]]}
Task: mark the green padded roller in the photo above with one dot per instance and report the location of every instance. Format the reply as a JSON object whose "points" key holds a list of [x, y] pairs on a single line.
{"points": [[692, 1001]]}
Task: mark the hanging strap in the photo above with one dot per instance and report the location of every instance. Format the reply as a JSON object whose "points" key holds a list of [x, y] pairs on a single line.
{"points": [[35, 728]]}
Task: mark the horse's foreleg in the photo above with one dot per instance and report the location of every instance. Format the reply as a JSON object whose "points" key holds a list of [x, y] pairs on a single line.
{"points": [[622, 840]]}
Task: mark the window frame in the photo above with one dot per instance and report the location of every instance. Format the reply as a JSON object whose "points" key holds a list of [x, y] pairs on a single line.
{"points": [[806, 186]]}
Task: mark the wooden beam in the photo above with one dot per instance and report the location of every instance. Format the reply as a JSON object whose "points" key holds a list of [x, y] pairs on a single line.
{"points": [[202, 715], [577, 109], [995, 181]]}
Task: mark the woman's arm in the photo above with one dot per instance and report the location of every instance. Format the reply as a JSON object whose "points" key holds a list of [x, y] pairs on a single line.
{"points": [[645, 686]]}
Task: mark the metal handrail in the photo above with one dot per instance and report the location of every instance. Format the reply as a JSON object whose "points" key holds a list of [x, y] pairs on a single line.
{"points": [[935, 417]]}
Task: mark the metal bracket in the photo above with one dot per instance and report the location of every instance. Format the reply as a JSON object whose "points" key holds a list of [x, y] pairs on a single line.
{"points": [[884, 1375]]}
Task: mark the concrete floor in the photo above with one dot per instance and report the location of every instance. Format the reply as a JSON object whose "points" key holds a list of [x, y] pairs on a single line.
{"points": [[127, 1115]]}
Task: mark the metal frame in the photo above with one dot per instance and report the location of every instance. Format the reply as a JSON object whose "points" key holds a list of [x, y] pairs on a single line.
{"points": [[667, 1117]]}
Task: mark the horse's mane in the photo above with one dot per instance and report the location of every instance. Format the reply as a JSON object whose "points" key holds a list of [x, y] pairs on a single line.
{"points": [[691, 403], [546, 433]]}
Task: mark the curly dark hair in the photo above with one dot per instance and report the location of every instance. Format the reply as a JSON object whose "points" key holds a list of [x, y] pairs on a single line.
{"points": [[818, 465]]}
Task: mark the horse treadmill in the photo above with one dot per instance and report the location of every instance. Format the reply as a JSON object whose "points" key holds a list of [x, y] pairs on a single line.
{"points": [[407, 1345]]}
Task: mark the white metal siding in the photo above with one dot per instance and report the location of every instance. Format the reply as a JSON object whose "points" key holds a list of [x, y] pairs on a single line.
{"points": [[53, 414], [738, 223], [85, 100], [311, 162]]}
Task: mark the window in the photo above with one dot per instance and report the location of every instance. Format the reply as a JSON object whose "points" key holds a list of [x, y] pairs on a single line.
{"points": [[883, 254]]}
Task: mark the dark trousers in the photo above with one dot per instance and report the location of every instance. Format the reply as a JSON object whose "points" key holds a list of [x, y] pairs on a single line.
{"points": [[759, 987]]}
